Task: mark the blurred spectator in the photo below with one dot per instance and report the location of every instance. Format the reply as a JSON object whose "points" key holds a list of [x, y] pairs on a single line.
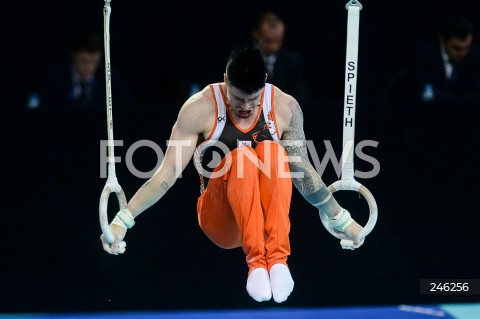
{"points": [[285, 69], [79, 82], [448, 70]]}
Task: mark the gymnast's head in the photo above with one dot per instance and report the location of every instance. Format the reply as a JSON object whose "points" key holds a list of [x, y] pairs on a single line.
{"points": [[246, 69], [245, 79]]}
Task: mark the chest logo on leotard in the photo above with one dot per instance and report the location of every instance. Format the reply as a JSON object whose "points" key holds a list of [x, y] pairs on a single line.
{"points": [[244, 143]]}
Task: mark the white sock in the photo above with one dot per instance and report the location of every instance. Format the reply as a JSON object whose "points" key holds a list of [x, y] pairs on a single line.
{"points": [[281, 281], [258, 285]]}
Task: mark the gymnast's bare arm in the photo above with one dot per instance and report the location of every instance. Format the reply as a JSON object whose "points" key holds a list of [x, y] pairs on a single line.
{"points": [[290, 124], [197, 116]]}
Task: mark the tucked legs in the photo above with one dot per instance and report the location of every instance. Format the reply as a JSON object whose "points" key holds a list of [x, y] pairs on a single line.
{"points": [[248, 206]]}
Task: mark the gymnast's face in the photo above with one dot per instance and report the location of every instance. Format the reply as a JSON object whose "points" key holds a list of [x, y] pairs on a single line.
{"points": [[456, 48], [241, 104]]}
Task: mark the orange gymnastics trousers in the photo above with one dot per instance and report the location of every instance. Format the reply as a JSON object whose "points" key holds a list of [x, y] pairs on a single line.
{"points": [[248, 204]]}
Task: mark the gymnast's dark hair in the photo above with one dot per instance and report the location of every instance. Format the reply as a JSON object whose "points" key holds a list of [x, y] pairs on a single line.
{"points": [[246, 69]]}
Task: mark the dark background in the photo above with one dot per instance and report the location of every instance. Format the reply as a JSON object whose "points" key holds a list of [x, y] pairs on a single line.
{"points": [[51, 256]]}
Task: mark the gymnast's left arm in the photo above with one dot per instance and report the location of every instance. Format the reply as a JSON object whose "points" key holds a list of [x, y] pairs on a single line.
{"points": [[304, 176]]}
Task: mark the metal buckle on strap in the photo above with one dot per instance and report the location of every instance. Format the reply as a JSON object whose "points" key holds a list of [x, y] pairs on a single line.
{"points": [[354, 3]]}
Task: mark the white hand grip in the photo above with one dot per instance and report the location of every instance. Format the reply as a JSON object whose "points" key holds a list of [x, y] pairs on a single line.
{"points": [[347, 244], [353, 185]]}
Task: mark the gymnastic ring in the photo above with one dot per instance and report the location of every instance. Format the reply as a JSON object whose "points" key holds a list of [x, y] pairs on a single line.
{"points": [[353, 185], [103, 207]]}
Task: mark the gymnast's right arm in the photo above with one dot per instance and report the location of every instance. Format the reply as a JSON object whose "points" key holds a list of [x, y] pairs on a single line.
{"points": [[191, 121]]}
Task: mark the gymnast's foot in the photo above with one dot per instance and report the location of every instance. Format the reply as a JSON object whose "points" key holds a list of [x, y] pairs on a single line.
{"points": [[281, 281], [258, 285]]}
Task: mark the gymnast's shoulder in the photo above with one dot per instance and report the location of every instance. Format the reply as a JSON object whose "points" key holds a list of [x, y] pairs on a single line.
{"points": [[199, 110], [286, 108]]}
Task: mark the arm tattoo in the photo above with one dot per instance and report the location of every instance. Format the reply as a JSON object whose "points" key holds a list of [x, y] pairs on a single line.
{"points": [[165, 186], [311, 181]]}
